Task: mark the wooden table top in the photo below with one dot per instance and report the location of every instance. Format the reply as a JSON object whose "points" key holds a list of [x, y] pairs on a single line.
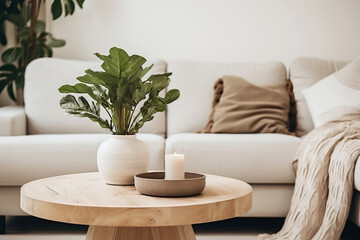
{"points": [[86, 199]]}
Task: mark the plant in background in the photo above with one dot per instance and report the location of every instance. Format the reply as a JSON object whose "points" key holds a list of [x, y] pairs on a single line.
{"points": [[119, 89], [32, 41]]}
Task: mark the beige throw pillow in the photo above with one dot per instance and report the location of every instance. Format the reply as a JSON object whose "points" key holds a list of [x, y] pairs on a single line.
{"points": [[246, 108]]}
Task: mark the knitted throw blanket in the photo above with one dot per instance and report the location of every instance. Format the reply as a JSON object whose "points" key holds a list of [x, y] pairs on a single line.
{"points": [[324, 182]]}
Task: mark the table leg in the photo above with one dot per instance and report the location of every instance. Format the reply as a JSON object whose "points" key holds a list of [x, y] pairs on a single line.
{"points": [[185, 232]]}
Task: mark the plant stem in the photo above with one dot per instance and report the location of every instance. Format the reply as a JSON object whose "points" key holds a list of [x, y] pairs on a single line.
{"points": [[134, 121]]}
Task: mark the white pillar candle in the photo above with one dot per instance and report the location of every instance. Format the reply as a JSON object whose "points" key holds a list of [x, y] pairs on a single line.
{"points": [[174, 166]]}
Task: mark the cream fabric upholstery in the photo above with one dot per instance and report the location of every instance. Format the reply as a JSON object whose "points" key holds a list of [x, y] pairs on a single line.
{"points": [[271, 200], [26, 158], [12, 121], [304, 72], [10, 201], [195, 82], [254, 158], [43, 78]]}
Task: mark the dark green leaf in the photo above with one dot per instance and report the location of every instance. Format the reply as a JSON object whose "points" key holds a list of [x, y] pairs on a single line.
{"points": [[107, 80], [8, 68], [82, 108], [89, 79], [119, 55], [80, 3], [17, 19], [49, 52], [19, 81], [110, 65], [54, 43], [69, 7], [39, 26], [3, 84], [26, 12], [132, 66], [56, 9], [146, 70], [172, 95], [11, 55], [23, 34], [10, 91], [3, 40], [77, 88], [159, 81]]}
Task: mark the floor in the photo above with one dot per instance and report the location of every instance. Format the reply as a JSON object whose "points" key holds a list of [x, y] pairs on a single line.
{"points": [[31, 228]]}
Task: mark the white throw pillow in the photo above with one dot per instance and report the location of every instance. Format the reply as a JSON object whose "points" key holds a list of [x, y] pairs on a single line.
{"points": [[334, 95]]}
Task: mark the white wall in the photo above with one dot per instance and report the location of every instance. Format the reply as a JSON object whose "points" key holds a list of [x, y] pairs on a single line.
{"points": [[214, 30]]}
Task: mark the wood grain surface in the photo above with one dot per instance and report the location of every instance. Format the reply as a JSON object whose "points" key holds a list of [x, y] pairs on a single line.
{"points": [[86, 199], [141, 233]]}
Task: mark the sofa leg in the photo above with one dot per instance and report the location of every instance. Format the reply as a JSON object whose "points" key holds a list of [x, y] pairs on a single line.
{"points": [[2, 224]]}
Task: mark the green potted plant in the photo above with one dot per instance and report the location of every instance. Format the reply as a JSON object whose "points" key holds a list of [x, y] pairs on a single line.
{"points": [[129, 102], [32, 41]]}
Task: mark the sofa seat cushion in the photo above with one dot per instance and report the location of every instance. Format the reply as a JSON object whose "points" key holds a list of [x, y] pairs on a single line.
{"points": [[26, 158], [254, 158]]}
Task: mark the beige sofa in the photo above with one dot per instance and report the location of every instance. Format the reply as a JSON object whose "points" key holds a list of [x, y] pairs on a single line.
{"points": [[40, 141]]}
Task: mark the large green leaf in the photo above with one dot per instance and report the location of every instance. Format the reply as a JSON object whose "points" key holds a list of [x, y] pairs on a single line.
{"points": [[23, 34], [80, 88], [110, 65], [8, 68], [119, 55], [82, 108], [132, 65], [159, 81], [102, 95], [56, 9], [55, 43], [11, 54], [3, 39], [10, 91], [3, 84], [172, 95], [39, 26], [80, 3], [146, 70], [17, 19], [89, 79], [77, 88], [107, 80], [69, 7]]}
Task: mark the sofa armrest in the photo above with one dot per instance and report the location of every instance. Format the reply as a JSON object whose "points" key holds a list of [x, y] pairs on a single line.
{"points": [[12, 121]]}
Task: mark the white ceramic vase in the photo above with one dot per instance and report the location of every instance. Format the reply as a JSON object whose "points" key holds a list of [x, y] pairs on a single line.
{"points": [[121, 157]]}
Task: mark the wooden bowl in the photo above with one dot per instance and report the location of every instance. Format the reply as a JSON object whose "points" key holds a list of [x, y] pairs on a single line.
{"points": [[154, 184]]}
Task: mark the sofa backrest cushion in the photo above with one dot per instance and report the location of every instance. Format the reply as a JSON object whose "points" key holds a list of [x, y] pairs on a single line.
{"points": [[195, 81], [44, 76], [304, 72]]}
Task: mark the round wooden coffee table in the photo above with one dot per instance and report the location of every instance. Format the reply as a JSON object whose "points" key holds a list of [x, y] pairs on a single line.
{"points": [[120, 212]]}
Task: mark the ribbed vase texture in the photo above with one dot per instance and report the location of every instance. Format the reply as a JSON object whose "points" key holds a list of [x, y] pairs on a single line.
{"points": [[121, 157]]}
